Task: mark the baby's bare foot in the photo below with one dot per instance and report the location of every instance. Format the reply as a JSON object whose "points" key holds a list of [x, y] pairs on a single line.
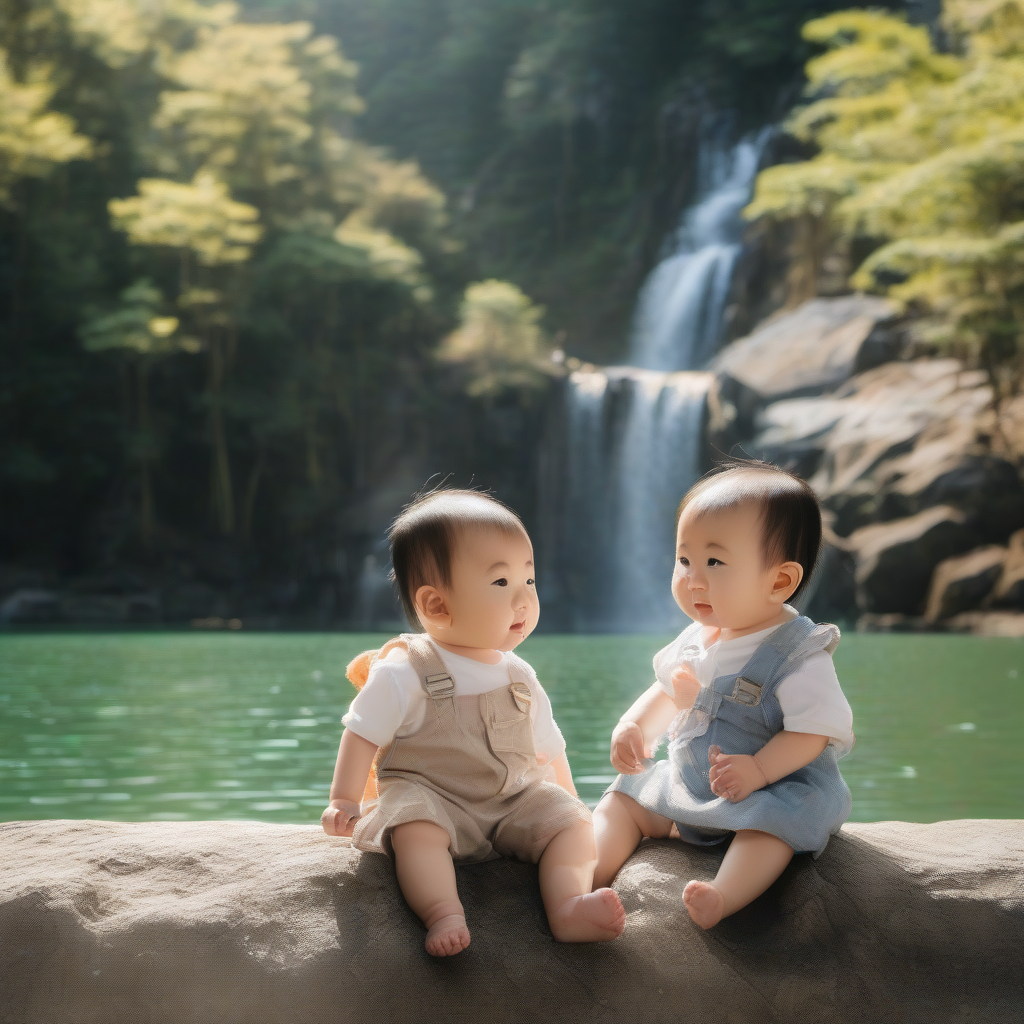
{"points": [[705, 903], [593, 917], [447, 936]]}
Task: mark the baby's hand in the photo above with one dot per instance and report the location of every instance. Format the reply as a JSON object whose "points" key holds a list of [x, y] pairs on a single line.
{"points": [[684, 687], [628, 748], [339, 817], [734, 776]]}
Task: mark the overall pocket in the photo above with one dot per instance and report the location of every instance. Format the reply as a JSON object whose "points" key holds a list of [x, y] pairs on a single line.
{"points": [[508, 720], [510, 733]]}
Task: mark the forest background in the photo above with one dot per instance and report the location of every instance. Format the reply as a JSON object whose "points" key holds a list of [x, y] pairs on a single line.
{"points": [[260, 265]]}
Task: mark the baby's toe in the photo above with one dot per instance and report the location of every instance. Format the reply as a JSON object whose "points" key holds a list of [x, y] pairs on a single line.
{"points": [[447, 936]]}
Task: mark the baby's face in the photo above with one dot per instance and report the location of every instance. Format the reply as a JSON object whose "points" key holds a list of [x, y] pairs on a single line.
{"points": [[493, 596], [720, 578]]}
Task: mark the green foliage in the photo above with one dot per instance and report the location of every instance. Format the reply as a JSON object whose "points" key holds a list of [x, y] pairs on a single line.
{"points": [[923, 153], [564, 130], [197, 252], [137, 325], [498, 340], [33, 138], [198, 217]]}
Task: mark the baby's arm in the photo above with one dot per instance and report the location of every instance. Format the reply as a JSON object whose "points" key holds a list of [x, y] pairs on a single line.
{"points": [[639, 727], [355, 755], [563, 774], [736, 776]]}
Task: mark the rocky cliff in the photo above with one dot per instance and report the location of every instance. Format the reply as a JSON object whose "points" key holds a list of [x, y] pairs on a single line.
{"points": [[919, 478], [174, 923]]}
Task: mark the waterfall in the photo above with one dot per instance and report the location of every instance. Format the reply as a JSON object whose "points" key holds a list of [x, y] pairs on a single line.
{"points": [[659, 460], [632, 434], [678, 323]]}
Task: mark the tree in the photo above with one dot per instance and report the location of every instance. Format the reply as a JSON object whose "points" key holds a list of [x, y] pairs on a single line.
{"points": [[498, 340], [264, 113], [201, 222], [142, 334], [178, 182], [921, 162], [33, 137]]}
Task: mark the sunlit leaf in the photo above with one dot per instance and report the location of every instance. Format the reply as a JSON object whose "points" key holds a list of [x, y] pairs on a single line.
{"points": [[33, 138], [200, 217]]}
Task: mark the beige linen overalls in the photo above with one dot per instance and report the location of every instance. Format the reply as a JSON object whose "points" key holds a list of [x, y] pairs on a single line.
{"points": [[471, 768]]}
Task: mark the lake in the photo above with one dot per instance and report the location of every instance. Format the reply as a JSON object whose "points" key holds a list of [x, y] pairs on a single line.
{"points": [[174, 726]]}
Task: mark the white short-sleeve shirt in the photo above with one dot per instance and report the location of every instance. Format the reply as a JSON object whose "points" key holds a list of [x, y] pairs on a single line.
{"points": [[392, 703], [811, 698]]}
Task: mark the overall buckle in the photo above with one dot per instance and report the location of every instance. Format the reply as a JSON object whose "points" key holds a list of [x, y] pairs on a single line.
{"points": [[521, 695], [746, 691], [440, 684]]}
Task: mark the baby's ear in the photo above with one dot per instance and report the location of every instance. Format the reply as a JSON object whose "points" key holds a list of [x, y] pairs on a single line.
{"points": [[431, 606], [787, 579]]}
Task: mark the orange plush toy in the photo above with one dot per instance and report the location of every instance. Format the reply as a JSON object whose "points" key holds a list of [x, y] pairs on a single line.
{"points": [[358, 671]]}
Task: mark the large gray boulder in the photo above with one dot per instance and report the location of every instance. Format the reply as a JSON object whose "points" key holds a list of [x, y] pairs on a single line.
{"points": [[883, 439], [175, 923], [886, 453], [811, 349], [884, 444]]}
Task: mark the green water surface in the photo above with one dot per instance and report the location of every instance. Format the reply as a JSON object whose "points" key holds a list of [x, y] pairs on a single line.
{"points": [[178, 726]]}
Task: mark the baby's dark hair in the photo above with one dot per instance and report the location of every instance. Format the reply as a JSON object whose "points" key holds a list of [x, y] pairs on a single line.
{"points": [[790, 513], [424, 536]]}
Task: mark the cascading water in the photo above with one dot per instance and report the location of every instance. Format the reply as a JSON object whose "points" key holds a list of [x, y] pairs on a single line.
{"points": [[633, 433], [678, 324]]}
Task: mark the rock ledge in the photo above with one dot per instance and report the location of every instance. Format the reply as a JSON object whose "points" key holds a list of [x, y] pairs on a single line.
{"points": [[247, 922]]}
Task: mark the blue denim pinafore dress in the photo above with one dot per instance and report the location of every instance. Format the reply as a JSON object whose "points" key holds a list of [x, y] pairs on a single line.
{"points": [[743, 714]]}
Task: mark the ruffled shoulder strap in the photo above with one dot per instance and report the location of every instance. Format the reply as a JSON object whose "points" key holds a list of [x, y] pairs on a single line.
{"points": [[784, 648]]}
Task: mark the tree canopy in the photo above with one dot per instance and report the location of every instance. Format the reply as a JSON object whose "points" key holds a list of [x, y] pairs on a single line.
{"points": [[185, 208], [920, 169]]}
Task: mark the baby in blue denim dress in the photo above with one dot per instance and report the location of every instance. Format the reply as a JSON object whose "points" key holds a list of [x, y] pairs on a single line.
{"points": [[756, 718]]}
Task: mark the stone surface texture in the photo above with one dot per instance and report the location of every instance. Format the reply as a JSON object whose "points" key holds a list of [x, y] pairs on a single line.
{"points": [[885, 445], [895, 559], [810, 349], [175, 923], [1009, 589], [964, 582]]}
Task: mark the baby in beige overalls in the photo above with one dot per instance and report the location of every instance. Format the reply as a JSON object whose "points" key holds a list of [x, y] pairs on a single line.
{"points": [[468, 762]]}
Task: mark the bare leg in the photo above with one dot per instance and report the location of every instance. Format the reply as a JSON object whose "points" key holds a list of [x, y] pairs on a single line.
{"points": [[576, 914], [426, 876], [619, 825], [751, 864]]}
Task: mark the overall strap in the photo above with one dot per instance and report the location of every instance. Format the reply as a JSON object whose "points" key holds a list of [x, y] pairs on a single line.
{"points": [[775, 657], [784, 648], [435, 678]]}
